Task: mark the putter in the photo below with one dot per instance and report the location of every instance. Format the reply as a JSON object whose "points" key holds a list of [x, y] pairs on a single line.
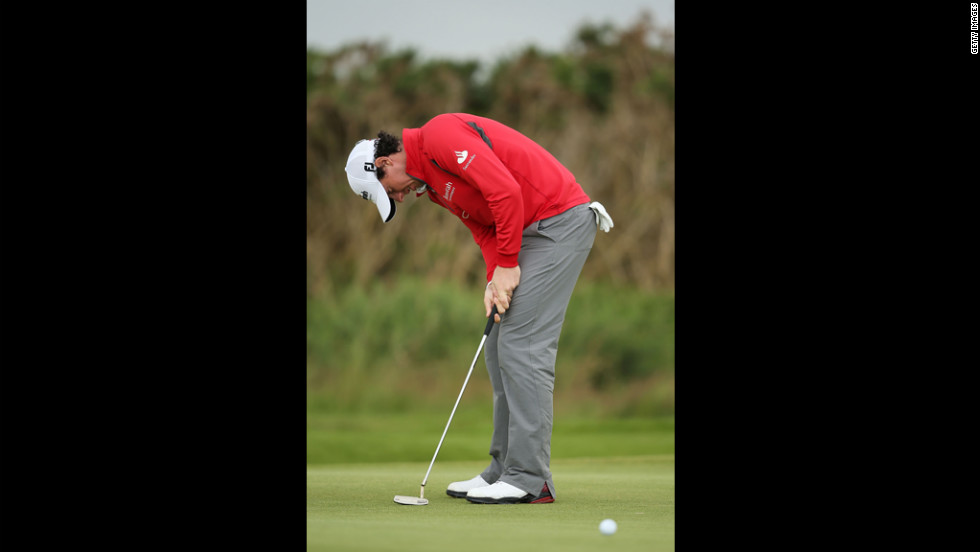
{"points": [[421, 500]]}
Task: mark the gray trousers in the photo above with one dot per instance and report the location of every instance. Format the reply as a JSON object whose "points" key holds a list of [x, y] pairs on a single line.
{"points": [[520, 351]]}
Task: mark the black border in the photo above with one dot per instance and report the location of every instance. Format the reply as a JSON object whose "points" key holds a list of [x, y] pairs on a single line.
{"points": [[153, 271]]}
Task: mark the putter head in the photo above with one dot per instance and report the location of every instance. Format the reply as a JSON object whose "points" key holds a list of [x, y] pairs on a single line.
{"points": [[411, 500]]}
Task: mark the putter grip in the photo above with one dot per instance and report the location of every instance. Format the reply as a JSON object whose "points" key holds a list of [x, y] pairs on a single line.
{"points": [[489, 327]]}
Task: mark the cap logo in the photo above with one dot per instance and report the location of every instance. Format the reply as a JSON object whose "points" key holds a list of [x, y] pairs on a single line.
{"points": [[366, 195], [369, 166]]}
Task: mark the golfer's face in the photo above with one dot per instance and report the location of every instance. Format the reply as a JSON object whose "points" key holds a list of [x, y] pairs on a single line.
{"points": [[396, 182]]}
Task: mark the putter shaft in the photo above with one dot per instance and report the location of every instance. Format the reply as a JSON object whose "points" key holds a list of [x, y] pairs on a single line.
{"points": [[486, 332]]}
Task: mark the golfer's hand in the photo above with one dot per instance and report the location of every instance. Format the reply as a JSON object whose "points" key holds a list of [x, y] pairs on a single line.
{"points": [[502, 286], [488, 303]]}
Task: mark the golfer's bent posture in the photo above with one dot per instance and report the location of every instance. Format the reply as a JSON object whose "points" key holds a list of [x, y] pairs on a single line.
{"points": [[535, 226]]}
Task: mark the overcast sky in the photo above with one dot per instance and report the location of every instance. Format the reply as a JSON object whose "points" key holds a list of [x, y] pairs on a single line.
{"points": [[461, 29]]}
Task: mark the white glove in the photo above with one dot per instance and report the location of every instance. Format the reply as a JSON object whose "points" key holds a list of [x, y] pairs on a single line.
{"points": [[602, 218]]}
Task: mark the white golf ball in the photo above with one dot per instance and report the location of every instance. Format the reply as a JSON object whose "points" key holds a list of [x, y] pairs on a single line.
{"points": [[607, 527]]}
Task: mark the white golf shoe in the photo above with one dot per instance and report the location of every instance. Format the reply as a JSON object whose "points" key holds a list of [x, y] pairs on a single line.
{"points": [[505, 493], [458, 489]]}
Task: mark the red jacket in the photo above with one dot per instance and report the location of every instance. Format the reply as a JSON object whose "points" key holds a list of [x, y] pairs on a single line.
{"points": [[495, 179]]}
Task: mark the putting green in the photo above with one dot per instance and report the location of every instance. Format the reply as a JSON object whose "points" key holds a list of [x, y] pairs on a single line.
{"points": [[351, 507]]}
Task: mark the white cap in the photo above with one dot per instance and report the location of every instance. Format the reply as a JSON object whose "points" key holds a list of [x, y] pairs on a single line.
{"points": [[363, 178]]}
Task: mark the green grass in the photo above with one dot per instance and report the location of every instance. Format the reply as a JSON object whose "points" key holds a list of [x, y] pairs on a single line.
{"points": [[378, 401], [351, 507], [342, 438]]}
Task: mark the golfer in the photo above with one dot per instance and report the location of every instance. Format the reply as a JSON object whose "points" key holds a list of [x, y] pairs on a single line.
{"points": [[535, 226]]}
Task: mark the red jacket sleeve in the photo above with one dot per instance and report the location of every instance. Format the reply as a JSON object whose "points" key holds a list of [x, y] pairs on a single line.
{"points": [[485, 238]]}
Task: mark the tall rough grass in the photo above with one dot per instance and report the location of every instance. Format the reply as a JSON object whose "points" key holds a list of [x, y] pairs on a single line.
{"points": [[407, 345]]}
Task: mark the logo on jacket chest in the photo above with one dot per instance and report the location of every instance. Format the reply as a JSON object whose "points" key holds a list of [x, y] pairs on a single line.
{"points": [[447, 195]]}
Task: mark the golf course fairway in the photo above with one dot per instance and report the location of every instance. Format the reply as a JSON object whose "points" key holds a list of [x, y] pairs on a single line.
{"points": [[350, 507]]}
